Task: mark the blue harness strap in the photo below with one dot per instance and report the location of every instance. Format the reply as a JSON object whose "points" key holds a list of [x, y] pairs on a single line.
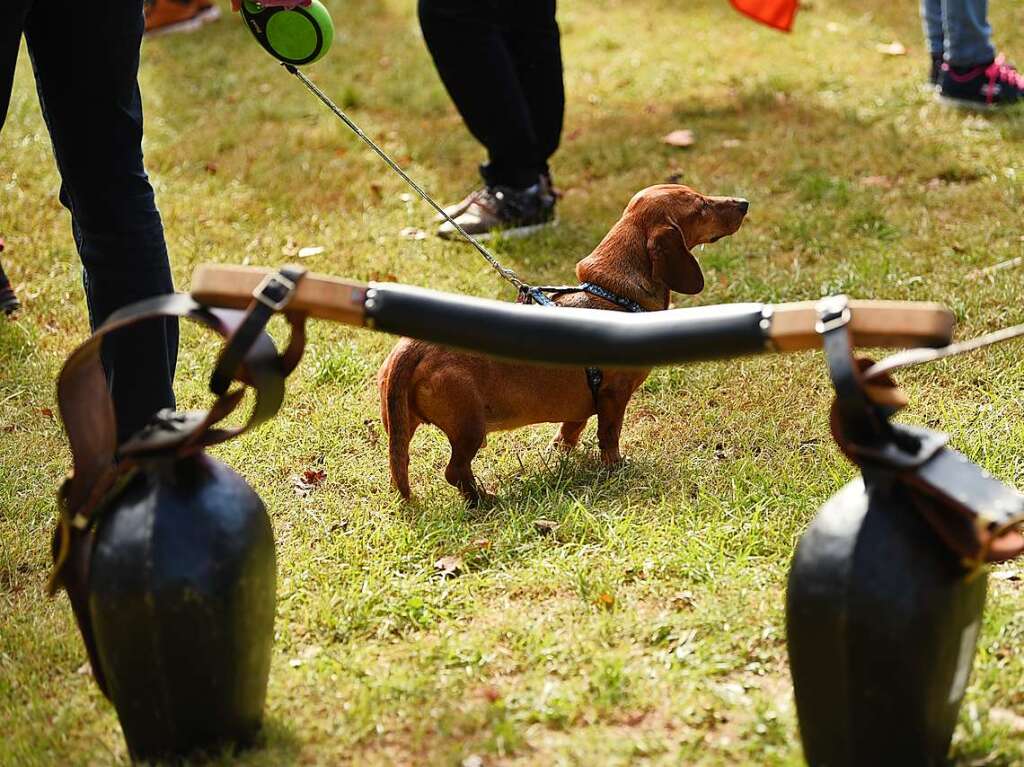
{"points": [[539, 295]]}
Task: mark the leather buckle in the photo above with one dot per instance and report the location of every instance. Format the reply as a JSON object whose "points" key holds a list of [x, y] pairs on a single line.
{"points": [[266, 292], [833, 313]]}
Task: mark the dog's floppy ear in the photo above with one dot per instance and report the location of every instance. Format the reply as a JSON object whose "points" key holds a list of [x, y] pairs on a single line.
{"points": [[672, 262]]}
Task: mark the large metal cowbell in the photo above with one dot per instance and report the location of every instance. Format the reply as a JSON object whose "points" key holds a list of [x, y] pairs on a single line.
{"points": [[167, 555], [887, 589]]}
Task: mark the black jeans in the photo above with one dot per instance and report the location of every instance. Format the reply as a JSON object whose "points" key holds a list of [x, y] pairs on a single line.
{"points": [[86, 58], [501, 62]]}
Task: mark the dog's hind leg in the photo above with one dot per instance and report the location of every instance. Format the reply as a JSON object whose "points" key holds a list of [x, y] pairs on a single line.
{"points": [[466, 443], [568, 436]]}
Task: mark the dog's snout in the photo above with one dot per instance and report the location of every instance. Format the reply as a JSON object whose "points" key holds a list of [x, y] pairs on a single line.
{"points": [[744, 205]]}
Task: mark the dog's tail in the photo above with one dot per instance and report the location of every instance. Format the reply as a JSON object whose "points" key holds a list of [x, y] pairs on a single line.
{"points": [[394, 380]]}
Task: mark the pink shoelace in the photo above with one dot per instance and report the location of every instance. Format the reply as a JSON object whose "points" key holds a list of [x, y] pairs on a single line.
{"points": [[1001, 72]]}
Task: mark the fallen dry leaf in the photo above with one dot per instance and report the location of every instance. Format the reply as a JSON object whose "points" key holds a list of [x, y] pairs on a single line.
{"points": [[684, 600], [211, 168], [84, 670], [377, 189], [310, 250], [544, 526], [491, 693], [473, 760], [680, 138], [412, 233], [605, 600], [449, 567], [383, 277], [895, 48], [303, 484], [731, 143], [314, 476], [45, 412]]}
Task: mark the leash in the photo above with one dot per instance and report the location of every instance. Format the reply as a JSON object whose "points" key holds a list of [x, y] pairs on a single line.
{"points": [[505, 273], [268, 26], [921, 356], [527, 294]]}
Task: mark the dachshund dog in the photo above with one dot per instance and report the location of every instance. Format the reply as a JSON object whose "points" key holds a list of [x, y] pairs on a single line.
{"points": [[647, 254]]}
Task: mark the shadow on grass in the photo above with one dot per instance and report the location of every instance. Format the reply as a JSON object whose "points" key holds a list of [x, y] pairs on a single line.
{"points": [[277, 744]]}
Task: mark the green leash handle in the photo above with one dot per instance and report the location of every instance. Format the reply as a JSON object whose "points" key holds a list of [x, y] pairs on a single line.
{"points": [[295, 36]]}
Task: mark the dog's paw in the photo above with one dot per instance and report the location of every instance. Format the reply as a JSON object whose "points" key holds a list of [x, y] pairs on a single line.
{"points": [[481, 499], [612, 460], [560, 446]]}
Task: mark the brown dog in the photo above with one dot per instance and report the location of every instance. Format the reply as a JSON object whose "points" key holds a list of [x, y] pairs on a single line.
{"points": [[644, 256]]}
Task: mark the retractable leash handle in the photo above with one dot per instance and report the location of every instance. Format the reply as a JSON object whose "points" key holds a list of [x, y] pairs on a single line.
{"points": [[296, 36]]}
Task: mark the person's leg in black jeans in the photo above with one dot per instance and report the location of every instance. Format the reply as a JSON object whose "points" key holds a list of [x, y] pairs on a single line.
{"points": [[86, 59], [532, 38], [501, 63], [12, 20]]}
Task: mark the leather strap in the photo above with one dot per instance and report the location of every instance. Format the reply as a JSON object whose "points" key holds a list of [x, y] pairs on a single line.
{"points": [[271, 296], [973, 513]]}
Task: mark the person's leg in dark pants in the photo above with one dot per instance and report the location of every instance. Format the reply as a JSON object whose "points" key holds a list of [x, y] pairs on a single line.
{"points": [[12, 21], [501, 63], [532, 37], [86, 73]]}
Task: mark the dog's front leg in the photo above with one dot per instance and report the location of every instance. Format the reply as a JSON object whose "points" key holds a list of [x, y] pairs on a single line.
{"points": [[611, 409], [568, 436]]}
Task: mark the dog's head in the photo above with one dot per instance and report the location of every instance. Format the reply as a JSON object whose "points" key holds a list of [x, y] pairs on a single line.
{"points": [[656, 234]]}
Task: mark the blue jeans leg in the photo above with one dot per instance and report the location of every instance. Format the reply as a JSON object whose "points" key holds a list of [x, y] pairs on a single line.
{"points": [[86, 71], [968, 34], [934, 33]]}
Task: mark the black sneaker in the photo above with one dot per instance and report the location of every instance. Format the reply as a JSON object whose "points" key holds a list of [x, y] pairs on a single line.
{"points": [[986, 86], [512, 212]]}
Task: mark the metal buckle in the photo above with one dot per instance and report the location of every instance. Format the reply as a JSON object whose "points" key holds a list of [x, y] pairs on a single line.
{"points": [[833, 313], [268, 283]]}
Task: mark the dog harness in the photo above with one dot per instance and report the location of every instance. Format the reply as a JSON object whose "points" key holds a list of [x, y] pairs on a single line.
{"points": [[539, 295]]}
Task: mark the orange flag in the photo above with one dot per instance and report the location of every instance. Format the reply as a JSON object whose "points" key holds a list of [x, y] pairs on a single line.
{"points": [[774, 13]]}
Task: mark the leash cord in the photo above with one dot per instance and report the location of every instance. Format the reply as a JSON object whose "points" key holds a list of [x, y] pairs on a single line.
{"points": [[504, 271], [913, 357]]}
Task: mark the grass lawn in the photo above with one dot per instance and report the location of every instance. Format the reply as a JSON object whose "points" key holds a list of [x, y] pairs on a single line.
{"points": [[648, 628]]}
